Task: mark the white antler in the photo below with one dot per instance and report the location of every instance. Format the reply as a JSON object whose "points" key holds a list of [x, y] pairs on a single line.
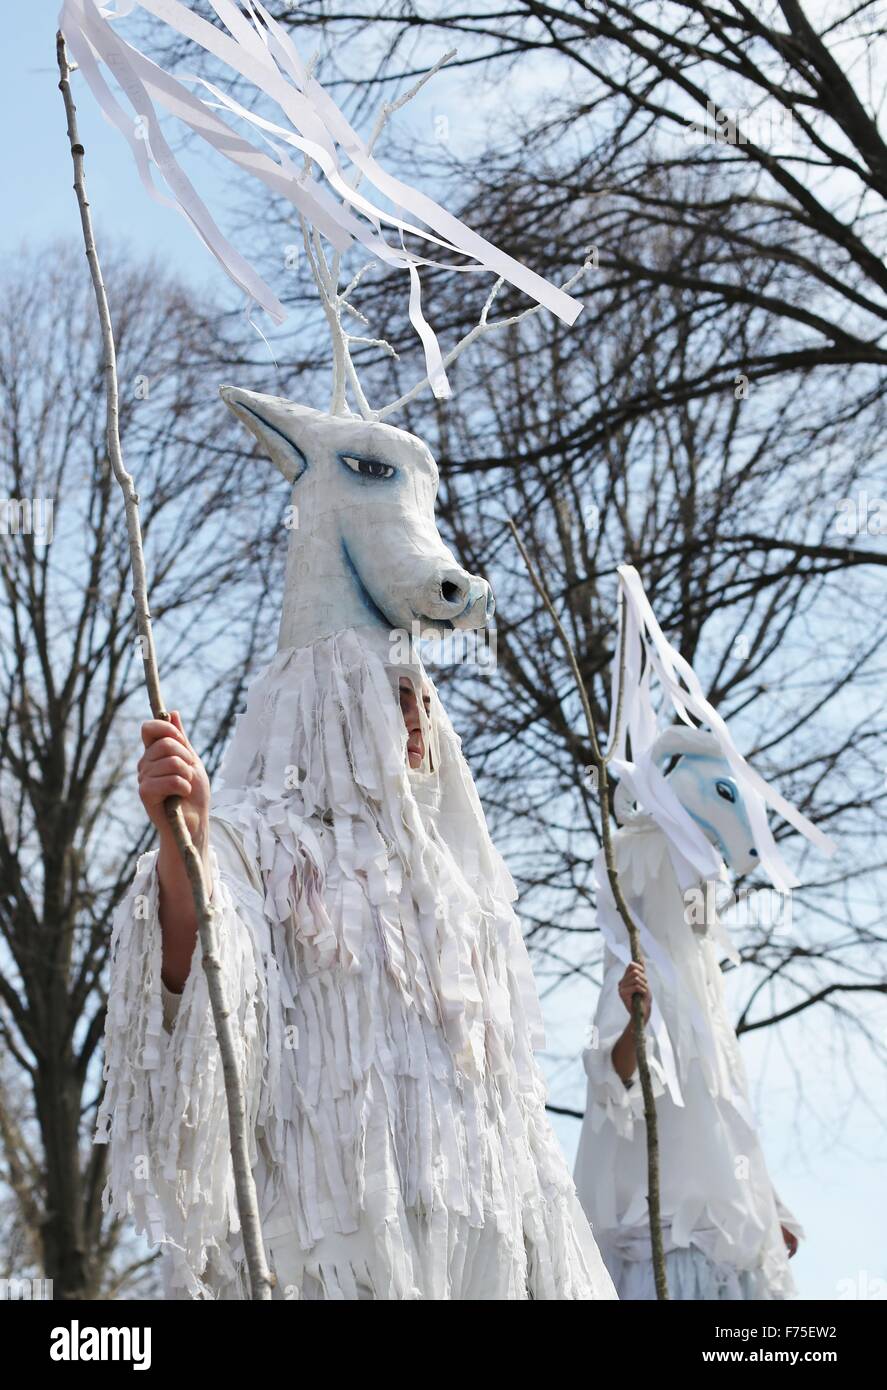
{"points": [[482, 326], [326, 277], [338, 304]]}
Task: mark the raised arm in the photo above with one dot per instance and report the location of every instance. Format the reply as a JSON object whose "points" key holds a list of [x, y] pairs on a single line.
{"points": [[169, 766], [624, 1054]]}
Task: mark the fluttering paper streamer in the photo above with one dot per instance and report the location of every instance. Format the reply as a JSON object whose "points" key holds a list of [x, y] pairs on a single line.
{"points": [[648, 652], [259, 50]]}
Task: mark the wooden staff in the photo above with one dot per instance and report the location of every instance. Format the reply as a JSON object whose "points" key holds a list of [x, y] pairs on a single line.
{"points": [[247, 1205], [637, 1001]]}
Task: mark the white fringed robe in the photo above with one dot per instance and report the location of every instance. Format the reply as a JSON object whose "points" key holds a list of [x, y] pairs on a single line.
{"points": [[386, 1020], [720, 1213]]}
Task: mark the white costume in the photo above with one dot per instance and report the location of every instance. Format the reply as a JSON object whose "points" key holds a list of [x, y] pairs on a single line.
{"points": [[386, 1008], [681, 829], [720, 1215], [387, 1015]]}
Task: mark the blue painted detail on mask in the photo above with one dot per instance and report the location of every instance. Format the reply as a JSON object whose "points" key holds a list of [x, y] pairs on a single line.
{"points": [[716, 804], [301, 461], [367, 459], [711, 833], [364, 595]]}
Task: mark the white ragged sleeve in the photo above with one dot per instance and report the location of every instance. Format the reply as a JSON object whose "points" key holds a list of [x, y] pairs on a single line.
{"points": [[787, 1218], [164, 1112]]}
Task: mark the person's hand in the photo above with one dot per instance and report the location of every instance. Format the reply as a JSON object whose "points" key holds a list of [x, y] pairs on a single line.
{"points": [[791, 1241], [634, 981], [170, 767]]}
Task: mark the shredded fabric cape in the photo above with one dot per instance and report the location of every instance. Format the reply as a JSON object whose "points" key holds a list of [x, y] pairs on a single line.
{"points": [[721, 1216], [386, 1020]]}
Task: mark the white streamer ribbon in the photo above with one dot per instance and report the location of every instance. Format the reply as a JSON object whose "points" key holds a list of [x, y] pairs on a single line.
{"points": [[262, 52]]}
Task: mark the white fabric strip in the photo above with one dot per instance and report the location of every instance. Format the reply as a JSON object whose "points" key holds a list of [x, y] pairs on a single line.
{"points": [[684, 690], [267, 57], [495, 260], [615, 938], [89, 37]]}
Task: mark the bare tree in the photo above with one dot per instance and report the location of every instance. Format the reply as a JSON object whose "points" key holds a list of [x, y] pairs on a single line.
{"points": [[748, 133], [71, 692], [734, 535], [718, 401], [720, 397]]}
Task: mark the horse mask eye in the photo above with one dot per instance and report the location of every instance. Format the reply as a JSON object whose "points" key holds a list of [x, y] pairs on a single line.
{"points": [[703, 783], [368, 468]]}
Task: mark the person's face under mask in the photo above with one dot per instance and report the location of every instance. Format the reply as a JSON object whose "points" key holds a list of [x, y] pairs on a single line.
{"points": [[412, 718]]}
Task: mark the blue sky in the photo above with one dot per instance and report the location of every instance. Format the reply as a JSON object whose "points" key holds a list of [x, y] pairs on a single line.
{"points": [[38, 173], [831, 1175]]}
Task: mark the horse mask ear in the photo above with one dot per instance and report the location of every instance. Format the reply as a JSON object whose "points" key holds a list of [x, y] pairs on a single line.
{"points": [[266, 418]]}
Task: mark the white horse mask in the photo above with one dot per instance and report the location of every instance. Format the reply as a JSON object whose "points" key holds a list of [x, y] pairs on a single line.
{"points": [[704, 784], [713, 799], [365, 550], [344, 777]]}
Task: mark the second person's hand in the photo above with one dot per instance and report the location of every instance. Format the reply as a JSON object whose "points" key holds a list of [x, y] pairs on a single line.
{"points": [[634, 981]]}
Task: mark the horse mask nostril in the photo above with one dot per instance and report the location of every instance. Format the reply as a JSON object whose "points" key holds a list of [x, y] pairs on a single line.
{"points": [[450, 593]]}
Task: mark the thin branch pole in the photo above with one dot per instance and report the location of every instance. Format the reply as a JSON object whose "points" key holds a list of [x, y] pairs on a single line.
{"points": [[260, 1277], [637, 1002]]}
